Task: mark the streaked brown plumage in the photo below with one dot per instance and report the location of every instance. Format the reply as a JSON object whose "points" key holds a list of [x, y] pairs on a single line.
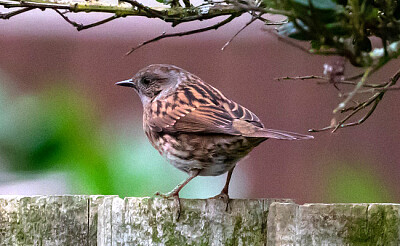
{"points": [[194, 126]]}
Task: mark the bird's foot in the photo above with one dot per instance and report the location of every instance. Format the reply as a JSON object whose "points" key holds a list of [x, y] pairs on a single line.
{"points": [[175, 196], [224, 197], [166, 195]]}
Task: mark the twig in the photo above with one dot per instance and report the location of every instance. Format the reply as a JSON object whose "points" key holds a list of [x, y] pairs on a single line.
{"points": [[366, 116], [274, 23], [73, 23], [266, 21], [360, 75], [371, 90], [259, 17], [301, 78], [247, 7], [354, 77], [240, 30], [345, 82], [14, 13], [8, 4], [375, 99], [393, 88], [146, 9], [80, 26], [360, 84], [98, 23], [375, 89], [179, 34], [326, 81]]}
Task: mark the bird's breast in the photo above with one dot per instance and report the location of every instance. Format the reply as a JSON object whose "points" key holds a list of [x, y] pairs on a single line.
{"points": [[213, 154]]}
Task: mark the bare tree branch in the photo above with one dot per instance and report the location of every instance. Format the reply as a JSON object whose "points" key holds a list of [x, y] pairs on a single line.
{"points": [[14, 13], [301, 78], [325, 80], [167, 14], [350, 96], [40, 5], [253, 6], [240, 30], [179, 34], [378, 89], [80, 26], [148, 10], [73, 23], [374, 100], [101, 22]]}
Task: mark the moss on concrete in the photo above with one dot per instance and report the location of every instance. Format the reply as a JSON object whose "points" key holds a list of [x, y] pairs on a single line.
{"points": [[380, 226]]}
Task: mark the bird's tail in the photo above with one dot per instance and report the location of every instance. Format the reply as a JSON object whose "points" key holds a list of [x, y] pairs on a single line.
{"points": [[278, 134]]}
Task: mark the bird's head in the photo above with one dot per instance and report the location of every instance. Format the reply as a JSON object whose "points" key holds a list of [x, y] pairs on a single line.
{"points": [[155, 81]]}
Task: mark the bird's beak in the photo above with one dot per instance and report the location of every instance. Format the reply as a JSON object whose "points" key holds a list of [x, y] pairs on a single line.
{"points": [[128, 83]]}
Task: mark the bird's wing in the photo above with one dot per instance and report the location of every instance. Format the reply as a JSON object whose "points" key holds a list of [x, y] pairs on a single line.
{"points": [[237, 111], [189, 112], [207, 119], [249, 125], [199, 108]]}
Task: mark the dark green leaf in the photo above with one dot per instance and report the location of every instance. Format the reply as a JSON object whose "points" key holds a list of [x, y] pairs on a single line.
{"points": [[316, 45], [318, 4], [338, 29], [293, 31]]}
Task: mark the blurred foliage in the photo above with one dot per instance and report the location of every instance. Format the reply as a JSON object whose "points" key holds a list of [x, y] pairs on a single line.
{"points": [[344, 27], [347, 182], [57, 130]]}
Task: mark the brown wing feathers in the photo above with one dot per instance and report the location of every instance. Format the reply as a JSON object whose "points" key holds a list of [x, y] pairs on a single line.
{"points": [[200, 108]]}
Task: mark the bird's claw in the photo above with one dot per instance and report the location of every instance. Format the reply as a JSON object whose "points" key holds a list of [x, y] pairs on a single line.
{"points": [[224, 197], [166, 196], [175, 196]]}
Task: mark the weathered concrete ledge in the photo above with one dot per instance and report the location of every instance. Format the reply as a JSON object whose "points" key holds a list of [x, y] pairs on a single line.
{"points": [[110, 220]]}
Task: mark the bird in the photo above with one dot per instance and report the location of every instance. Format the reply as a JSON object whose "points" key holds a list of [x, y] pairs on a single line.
{"points": [[194, 126]]}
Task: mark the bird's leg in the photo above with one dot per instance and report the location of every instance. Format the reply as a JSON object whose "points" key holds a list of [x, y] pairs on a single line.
{"points": [[175, 192], [224, 193]]}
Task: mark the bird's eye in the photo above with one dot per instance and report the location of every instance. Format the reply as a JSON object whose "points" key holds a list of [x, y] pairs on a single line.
{"points": [[146, 81]]}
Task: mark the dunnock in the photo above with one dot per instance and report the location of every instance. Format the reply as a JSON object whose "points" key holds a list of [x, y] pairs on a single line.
{"points": [[194, 126]]}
